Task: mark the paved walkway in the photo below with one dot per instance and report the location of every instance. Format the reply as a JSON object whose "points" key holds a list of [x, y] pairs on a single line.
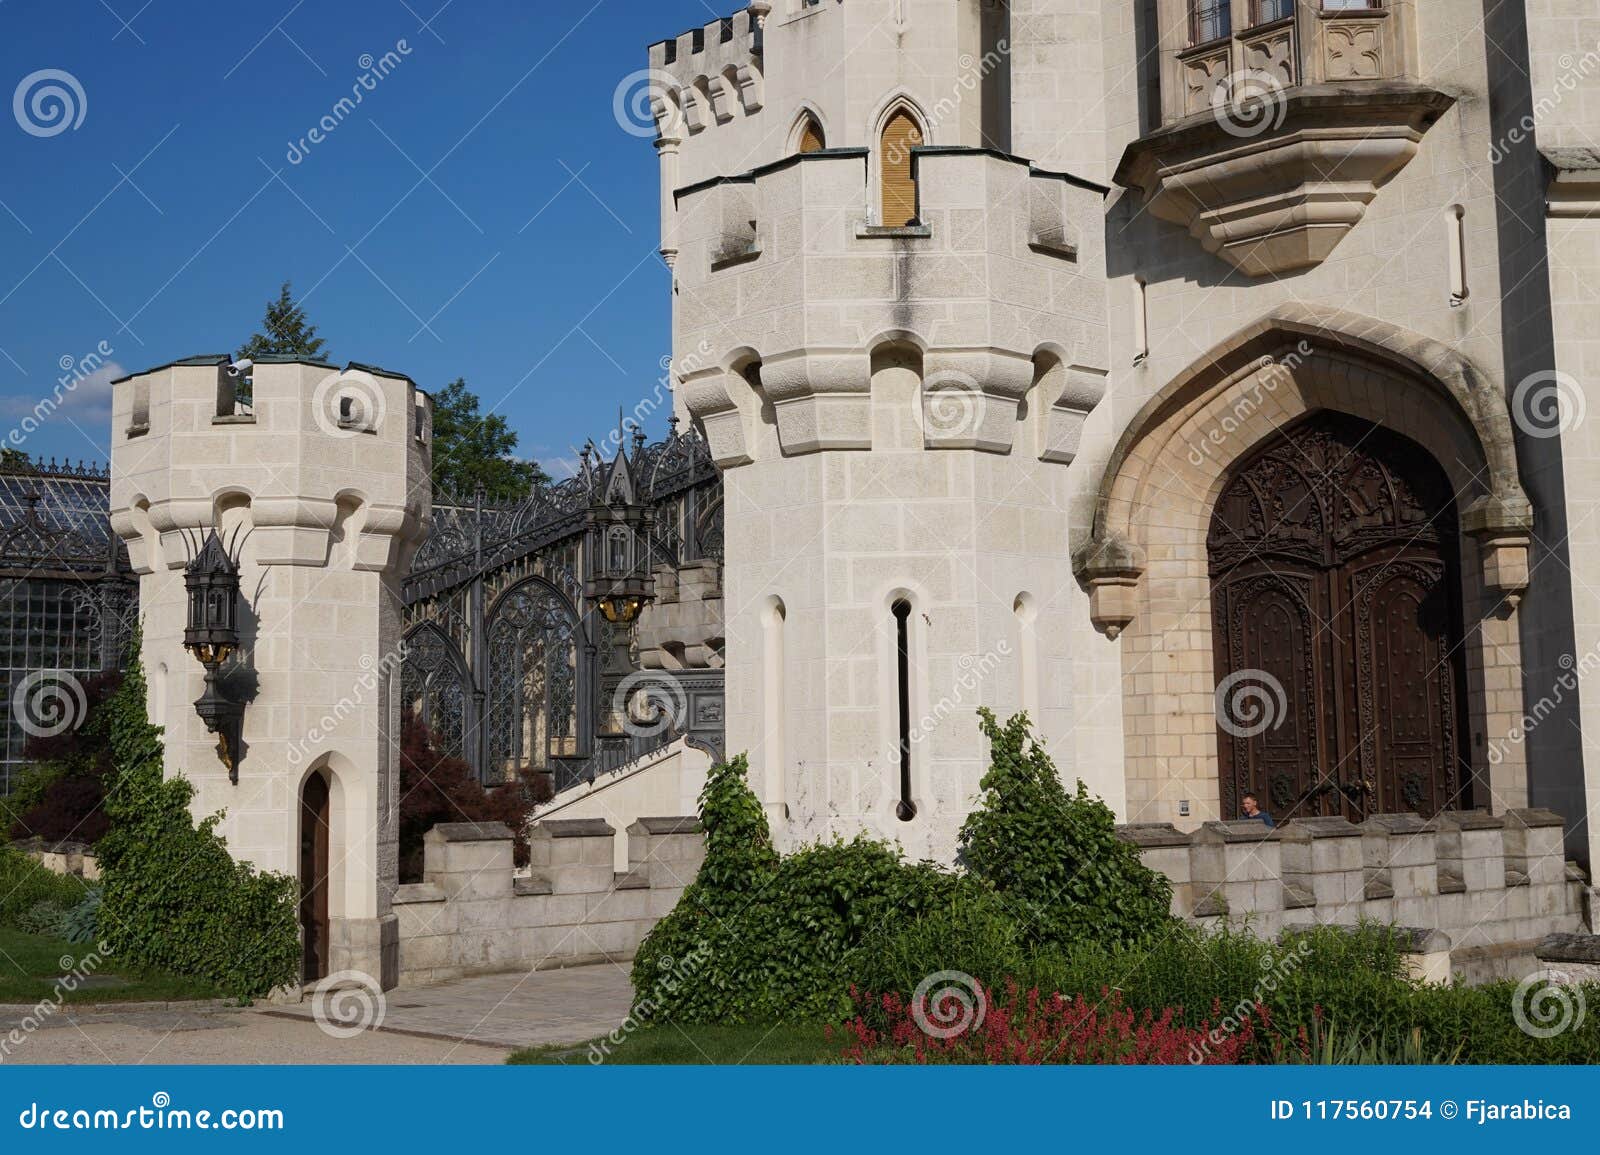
{"points": [[477, 1020]]}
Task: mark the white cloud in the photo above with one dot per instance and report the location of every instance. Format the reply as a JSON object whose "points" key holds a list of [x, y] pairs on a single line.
{"points": [[85, 400]]}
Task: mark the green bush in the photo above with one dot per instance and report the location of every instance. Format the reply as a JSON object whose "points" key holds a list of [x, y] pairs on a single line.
{"points": [[1056, 858], [25, 885], [759, 938], [174, 898]]}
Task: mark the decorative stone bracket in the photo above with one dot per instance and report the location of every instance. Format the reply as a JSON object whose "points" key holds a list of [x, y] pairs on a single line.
{"points": [[1279, 191], [1111, 568]]}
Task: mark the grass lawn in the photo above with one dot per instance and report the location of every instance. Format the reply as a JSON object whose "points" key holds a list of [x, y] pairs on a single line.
{"points": [[31, 965], [696, 1046]]}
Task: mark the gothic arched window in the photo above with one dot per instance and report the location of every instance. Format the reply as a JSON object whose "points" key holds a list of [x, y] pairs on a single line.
{"points": [[899, 191], [532, 683]]}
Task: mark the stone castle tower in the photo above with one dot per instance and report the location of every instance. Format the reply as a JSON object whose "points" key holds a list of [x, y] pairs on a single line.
{"points": [[892, 335], [318, 487], [994, 312]]}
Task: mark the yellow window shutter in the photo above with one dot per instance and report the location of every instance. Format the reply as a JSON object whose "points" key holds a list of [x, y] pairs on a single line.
{"points": [[900, 136], [811, 137]]}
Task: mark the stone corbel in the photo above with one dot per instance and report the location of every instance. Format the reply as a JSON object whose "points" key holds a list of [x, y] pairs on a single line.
{"points": [[292, 530], [747, 78], [820, 400], [1574, 190], [175, 522], [722, 97], [970, 398], [710, 401], [385, 531], [1110, 567], [1503, 529], [692, 104], [1083, 389]]}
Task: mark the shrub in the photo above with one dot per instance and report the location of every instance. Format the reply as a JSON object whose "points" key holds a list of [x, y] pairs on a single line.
{"points": [[1055, 857], [759, 938], [24, 885], [59, 796], [436, 787], [174, 898]]}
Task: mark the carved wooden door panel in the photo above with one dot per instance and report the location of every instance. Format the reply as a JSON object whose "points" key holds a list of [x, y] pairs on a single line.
{"points": [[1336, 627]]}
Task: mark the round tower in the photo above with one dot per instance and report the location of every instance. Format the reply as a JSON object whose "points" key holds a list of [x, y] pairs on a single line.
{"points": [[306, 488], [891, 332]]}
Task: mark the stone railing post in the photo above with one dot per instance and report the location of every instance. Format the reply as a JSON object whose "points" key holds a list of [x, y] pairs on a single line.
{"points": [[666, 852], [468, 860], [1322, 860], [1165, 849], [574, 855]]}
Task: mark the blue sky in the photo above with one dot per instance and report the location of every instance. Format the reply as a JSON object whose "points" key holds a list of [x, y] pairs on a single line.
{"points": [[481, 213]]}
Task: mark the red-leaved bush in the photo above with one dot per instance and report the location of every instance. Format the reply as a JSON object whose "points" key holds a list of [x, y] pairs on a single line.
{"points": [[436, 787], [1026, 1027]]}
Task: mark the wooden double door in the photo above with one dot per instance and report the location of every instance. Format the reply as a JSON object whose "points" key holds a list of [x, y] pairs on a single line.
{"points": [[1333, 557]]}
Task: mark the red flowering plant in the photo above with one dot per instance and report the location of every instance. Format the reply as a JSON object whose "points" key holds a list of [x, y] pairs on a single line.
{"points": [[965, 1021]]}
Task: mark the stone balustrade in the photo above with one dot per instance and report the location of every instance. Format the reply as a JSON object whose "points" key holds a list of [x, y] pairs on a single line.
{"points": [[1494, 885], [472, 914]]}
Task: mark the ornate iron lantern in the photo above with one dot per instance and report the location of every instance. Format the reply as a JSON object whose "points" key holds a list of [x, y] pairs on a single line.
{"points": [[617, 575], [211, 634]]}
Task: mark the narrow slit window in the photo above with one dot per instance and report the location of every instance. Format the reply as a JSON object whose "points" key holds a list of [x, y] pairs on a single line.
{"points": [[906, 809]]}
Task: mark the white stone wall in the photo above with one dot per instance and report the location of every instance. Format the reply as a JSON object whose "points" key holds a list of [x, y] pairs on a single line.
{"points": [[323, 519]]}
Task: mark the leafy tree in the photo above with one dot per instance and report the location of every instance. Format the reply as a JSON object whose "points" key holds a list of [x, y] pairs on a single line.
{"points": [[470, 447], [13, 458], [1055, 857], [287, 331]]}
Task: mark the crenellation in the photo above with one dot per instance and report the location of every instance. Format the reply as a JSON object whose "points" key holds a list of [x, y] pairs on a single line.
{"points": [[475, 914], [1323, 870]]}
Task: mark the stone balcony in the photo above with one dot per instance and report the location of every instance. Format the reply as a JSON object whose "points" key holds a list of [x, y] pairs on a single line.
{"points": [[785, 288]]}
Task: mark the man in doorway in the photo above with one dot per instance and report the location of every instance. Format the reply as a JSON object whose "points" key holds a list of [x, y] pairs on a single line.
{"points": [[1251, 806]]}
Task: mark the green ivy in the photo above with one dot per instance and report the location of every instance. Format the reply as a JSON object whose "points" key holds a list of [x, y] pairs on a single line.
{"points": [[1055, 857], [174, 897]]}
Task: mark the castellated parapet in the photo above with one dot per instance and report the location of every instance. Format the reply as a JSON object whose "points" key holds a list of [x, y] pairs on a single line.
{"points": [[1484, 891], [319, 486]]}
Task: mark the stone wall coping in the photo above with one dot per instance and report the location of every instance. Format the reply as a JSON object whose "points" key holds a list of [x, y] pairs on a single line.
{"points": [[471, 832], [1304, 828], [1470, 820], [1570, 948], [572, 828], [1236, 830], [1153, 834], [1403, 823], [1533, 816], [410, 892], [686, 824], [1411, 939]]}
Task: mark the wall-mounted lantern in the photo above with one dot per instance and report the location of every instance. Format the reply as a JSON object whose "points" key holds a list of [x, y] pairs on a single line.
{"points": [[212, 635], [617, 575]]}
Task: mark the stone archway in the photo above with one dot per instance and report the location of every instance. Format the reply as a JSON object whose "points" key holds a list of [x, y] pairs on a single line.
{"points": [[1145, 562]]}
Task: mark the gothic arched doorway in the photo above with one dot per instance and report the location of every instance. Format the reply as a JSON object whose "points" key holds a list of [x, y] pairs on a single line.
{"points": [[1336, 623], [315, 816]]}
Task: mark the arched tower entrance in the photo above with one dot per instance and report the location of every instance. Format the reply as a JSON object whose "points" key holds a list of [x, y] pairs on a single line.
{"points": [[316, 813], [1336, 618]]}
